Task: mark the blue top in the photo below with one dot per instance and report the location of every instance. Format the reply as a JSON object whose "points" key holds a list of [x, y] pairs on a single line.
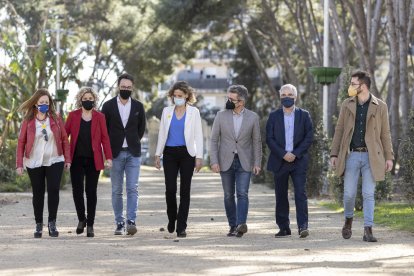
{"points": [[176, 132], [289, 130]]}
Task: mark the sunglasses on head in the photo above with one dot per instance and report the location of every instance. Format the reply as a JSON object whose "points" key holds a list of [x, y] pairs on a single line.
{"points": [[45, 135]]}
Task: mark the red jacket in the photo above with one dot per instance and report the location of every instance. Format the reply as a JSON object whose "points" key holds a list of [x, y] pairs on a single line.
{"points": [[27, 137], [99, 135]]}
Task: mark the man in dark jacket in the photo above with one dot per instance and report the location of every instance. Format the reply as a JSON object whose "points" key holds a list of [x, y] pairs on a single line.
{"points": [[289, 134], [125, 119]]}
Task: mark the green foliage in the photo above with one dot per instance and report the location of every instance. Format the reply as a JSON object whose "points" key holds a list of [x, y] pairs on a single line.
{"points": [[398, 216], [6, 173], [383, 190], [406, 154], [318, 152]]}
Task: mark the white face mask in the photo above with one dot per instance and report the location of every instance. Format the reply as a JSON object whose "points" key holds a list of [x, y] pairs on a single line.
{"points": [[179, 101]]}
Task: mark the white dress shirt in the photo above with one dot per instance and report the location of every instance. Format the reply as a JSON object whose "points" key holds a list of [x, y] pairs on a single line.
{"points": [[124, 111]]}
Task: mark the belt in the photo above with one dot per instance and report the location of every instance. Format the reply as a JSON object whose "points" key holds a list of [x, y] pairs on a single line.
{"points": [[124, 149], [360, 149], [176, 147]]}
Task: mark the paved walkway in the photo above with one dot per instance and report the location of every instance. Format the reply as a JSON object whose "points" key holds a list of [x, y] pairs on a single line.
{"points": [[206, 250]]}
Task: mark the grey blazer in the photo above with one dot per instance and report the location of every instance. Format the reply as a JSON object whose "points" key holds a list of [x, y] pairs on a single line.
{"points": [[224, 142]]}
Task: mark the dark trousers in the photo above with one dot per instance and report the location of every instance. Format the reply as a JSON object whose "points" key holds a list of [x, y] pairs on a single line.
{"points": [[84, 178], [38, 178], [298, 174], [177, 159]]}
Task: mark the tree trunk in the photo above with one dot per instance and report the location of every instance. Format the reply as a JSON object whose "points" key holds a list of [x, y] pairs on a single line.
{"points": [[403, 8], [394, 88], [256, 58]]}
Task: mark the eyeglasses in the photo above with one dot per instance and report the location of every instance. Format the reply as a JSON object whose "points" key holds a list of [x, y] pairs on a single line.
{"points": [[45, 135], [232, 100], [125, 87], [356, 84]]}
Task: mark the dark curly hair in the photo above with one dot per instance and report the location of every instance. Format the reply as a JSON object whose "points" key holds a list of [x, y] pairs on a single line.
{"points": [[186, 88]]}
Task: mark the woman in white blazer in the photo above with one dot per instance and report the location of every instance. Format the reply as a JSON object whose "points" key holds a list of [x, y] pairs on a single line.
{"points": [[180, 141]]}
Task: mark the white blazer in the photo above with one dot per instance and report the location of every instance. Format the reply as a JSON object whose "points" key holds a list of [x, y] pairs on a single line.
{"points": [[193, 133]]}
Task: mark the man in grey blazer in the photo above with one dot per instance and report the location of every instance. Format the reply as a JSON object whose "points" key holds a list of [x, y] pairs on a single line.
{"points": [[236, 152]]}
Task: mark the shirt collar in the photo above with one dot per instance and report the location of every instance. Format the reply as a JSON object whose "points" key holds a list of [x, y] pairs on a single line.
{"points": [[118, 98], [241, 112]]}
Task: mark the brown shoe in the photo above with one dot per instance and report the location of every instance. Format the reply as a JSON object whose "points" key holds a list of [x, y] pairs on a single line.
{"points": [[368, 236], [347, 229]]}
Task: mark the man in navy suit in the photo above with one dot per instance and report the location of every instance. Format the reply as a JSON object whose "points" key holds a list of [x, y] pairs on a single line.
{"points": [[289, 134]]}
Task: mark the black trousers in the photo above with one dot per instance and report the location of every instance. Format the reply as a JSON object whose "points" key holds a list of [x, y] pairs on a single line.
{"points": [[84, 178], [177, 159], [51, 175]]}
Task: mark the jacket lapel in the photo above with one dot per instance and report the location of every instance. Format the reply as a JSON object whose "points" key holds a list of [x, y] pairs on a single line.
{"points": [[131, 113], [230, 122], [352, 106], [296, 124], [245, 119], [116, 110], [281, 123], [94, 124], [372, 108], [170, 114]]}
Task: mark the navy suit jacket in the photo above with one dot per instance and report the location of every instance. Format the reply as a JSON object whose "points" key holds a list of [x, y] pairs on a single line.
{"points": [[275, 138]]}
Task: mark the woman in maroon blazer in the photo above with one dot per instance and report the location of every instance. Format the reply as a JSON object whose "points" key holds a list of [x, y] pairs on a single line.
{"points": [[88, 134]]}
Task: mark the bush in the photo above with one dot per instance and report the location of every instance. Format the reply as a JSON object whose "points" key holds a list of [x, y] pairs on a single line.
{"points": [[406, 154], [318, 152], [383, 190], [7, 174]]}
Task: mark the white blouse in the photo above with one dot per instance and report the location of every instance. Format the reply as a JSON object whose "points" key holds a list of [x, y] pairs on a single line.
{"points": [[44, 153]]}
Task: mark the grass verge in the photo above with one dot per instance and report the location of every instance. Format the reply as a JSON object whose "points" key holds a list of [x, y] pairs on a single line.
{"points": [[399, 216]]}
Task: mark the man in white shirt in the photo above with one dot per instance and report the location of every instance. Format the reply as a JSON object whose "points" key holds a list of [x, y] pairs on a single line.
{"points": [[125, 119]]}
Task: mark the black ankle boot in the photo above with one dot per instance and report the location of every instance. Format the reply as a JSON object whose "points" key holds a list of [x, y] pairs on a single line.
{"points": [[368, 236], [53, 232], [39, 230], [89, 232], [81, 227]]}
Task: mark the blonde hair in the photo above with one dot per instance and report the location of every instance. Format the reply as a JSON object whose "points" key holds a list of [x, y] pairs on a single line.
{"points": [[83, 91], [28, 108]]}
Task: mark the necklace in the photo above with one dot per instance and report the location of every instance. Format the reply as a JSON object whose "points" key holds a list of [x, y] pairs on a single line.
{"points": [[42, 121]]}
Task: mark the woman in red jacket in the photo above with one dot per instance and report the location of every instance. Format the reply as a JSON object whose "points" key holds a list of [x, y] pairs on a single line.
{"points": [[43, 149], [87, 130]]}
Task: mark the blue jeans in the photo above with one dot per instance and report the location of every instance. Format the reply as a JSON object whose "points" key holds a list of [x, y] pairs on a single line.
{"points": [[357, 164], [129, 165], [236, 179]]}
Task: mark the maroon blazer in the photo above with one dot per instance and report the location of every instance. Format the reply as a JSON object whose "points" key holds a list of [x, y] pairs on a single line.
{"points": [[27, 137], [99, 135]]}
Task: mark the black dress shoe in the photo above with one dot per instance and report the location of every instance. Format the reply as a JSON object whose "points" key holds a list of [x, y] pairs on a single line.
{"points": [[241, 230], [232, 232], [303, 232], [81, 226], [182, 234], [53, 232], [39, 230], [171, 226], [89, 232], [283, 233]]}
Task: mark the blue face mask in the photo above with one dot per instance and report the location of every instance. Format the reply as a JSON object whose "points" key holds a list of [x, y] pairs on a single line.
{"points": [[43, 108], [179, 101], [288, 102]]}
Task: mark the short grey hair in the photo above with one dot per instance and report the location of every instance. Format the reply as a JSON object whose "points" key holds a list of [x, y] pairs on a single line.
{"points": [[240, 90], [290, 87]]}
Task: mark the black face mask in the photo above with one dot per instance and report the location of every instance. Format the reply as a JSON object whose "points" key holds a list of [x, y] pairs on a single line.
{"points": [[88, 105], [125, 94], [230, 105]]}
